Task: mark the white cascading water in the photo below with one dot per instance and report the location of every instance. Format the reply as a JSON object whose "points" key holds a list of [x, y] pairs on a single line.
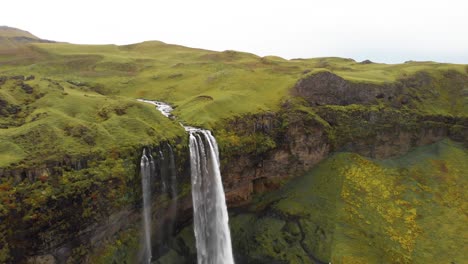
{"points": [[212, 235], [211, 219], [171, 191], [172, 173], [147, 168]]}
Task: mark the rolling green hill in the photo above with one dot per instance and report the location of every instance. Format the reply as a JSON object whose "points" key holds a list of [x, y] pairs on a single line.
{"points": [[73, 83], [13, 39], [350, 209], [9, 32]]}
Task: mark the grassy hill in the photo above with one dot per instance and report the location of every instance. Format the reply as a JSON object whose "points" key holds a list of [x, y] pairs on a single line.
{"points": [[10, 32], [74, 84], [46, 120], [13, 39], [352, 209]]}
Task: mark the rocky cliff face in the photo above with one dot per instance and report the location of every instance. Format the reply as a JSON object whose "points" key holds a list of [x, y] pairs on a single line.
{"points": [[294, 148], [326, 88], [72, 210], [329, 115]]}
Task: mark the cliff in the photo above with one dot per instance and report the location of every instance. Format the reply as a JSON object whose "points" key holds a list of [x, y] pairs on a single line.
{"points": [[308, 152]]}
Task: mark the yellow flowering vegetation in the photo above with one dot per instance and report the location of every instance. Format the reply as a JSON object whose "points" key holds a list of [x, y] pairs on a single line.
{"points": [[405, 210]]}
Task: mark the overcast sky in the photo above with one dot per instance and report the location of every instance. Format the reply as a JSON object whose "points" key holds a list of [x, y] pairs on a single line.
{"points": [[383, 31]]}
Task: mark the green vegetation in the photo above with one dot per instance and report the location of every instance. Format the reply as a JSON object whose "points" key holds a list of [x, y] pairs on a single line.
{"points": [[350, 209], [123, 249], [62, 103], [8, 32], [73, 199], [55, 119], [87, 92], [205, 86]]}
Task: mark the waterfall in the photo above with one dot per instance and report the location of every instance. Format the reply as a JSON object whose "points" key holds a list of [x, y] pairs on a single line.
{"points": [[212, 235], [147, 169], [168, 176], [162, 172], [210, 217], [172, 173]]}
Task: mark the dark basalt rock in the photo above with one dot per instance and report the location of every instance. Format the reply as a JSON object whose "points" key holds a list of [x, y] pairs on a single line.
{"points": [[17, 77], [366, 62], [326, 88], [27, 88]]}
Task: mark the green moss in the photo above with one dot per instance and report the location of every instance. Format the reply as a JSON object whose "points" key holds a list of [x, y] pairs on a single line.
{"points": [[172, 257], [121, 249], [355, 210], [255, 143], [261, 239], [76, 198]]}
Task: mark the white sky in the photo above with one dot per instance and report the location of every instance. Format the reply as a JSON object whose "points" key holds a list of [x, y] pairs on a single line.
{"points": [[383, 31]]}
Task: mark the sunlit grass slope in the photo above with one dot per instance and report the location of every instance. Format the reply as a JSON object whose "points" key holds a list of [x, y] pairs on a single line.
{"points": [[75, 83], [350, 209], [204, 85], [58, 119]]}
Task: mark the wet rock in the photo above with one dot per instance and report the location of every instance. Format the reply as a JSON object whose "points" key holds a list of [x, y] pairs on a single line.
{"points": [[44, 259], [27, 88], [17, 77], [366, 62]]}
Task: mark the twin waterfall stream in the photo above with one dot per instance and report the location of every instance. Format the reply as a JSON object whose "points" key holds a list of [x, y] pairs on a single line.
{"points": [[147, 170], [210, 217]]}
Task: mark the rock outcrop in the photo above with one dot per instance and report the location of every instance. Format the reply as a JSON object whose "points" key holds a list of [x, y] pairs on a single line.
{"points": [[326, 88], [333, 114]]}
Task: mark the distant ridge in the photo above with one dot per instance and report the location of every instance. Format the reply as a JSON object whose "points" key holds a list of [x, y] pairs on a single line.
{"points": [[14, 38], [11, 32]]}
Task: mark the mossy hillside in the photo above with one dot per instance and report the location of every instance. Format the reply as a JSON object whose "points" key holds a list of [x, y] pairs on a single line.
{"points": [[13, 40], [358, 125], [209, 85], [352, 209], [58, 118], [70, 201], [378, 73], [73, 81], [437, 92], [205, 86], [10, 32], [295, 220], [122, 249]]}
